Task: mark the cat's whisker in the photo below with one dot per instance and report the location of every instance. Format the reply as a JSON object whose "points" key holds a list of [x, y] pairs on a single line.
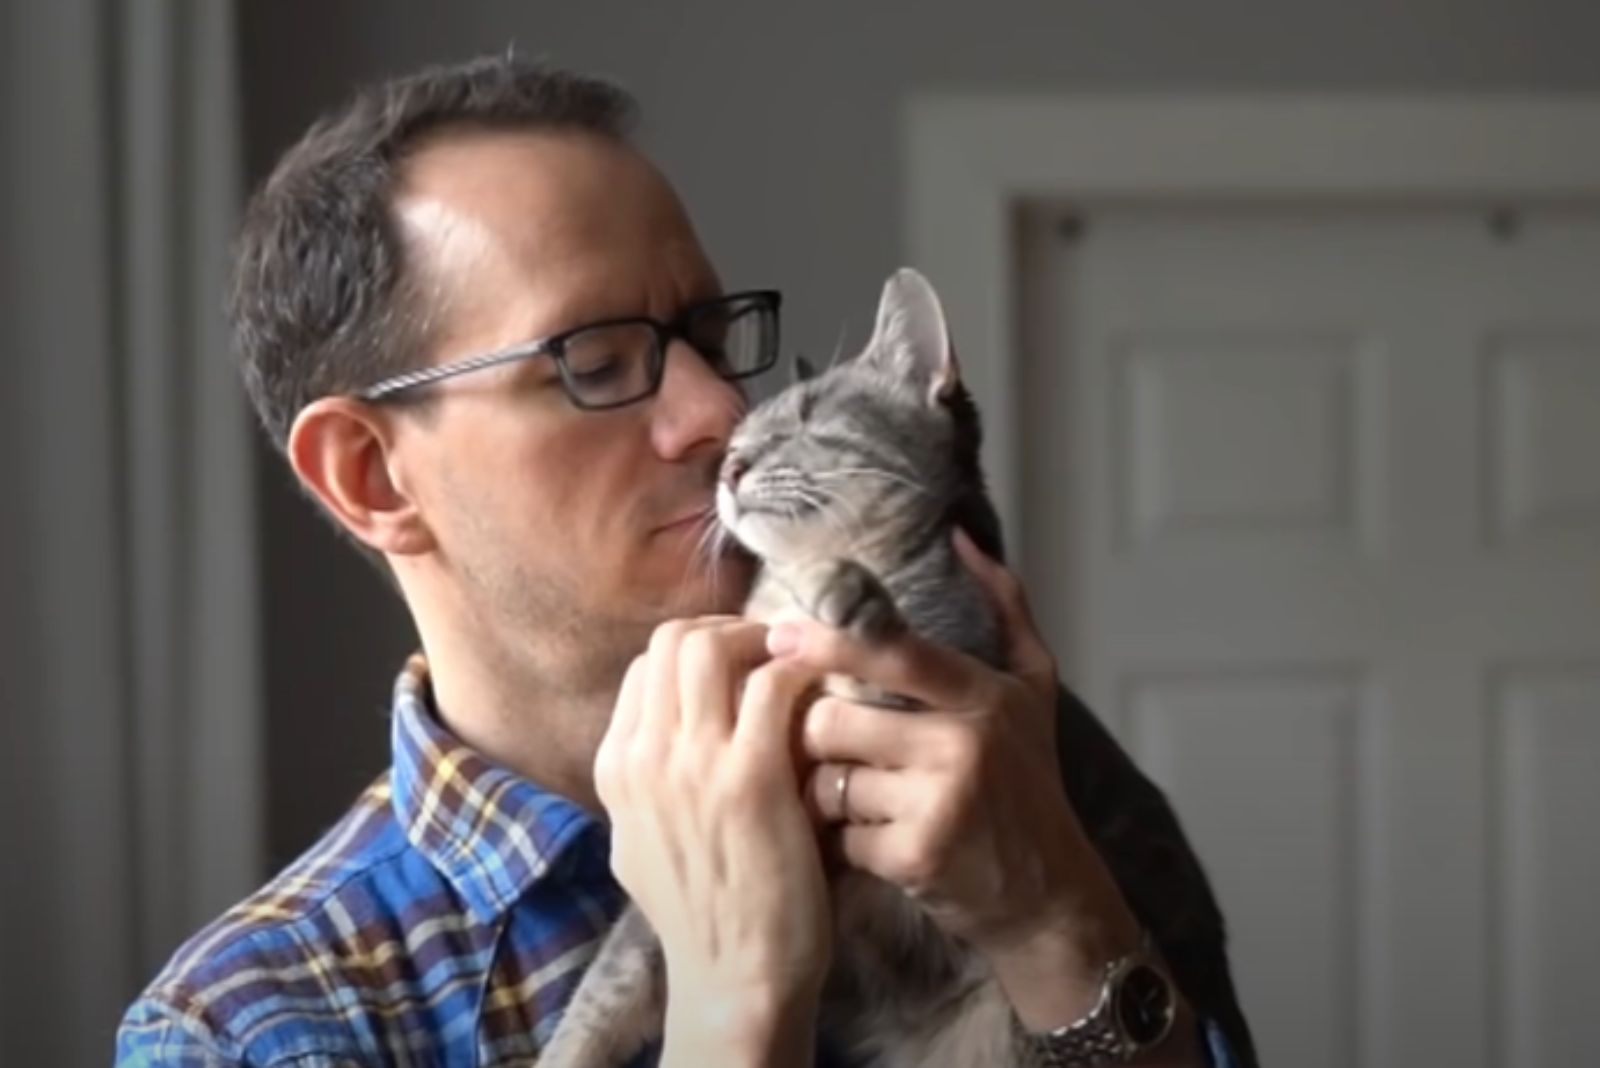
{"points": [[694, 560], [721, 538], [708, 544], [820, 497], [838, 347], [708, 531], [841, 473]]}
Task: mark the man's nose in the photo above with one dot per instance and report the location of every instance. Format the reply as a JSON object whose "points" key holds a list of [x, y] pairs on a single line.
{"points": [[695, 404]]}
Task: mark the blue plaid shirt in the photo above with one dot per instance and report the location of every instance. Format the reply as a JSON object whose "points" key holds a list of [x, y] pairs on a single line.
{"points": [[444, 921]]}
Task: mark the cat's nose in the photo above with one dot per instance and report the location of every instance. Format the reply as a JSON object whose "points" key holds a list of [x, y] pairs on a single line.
{"points": [[733, 469]]}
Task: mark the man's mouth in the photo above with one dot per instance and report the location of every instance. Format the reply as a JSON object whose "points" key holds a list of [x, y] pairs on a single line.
{"points": [[682, 521], [699, 514]]}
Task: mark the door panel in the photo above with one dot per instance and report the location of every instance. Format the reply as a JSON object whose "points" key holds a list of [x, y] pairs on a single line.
{"points": [[1313, 507]]}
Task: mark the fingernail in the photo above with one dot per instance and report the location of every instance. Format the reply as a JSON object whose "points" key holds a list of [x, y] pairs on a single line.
{"points": [[783, 639]]}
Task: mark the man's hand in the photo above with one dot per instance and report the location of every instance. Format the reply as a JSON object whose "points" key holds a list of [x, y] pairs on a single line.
{"points": [[711, 839], [963, 805]]}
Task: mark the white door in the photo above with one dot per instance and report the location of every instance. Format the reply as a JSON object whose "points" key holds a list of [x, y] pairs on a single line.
{"points": [[1313, 512]]}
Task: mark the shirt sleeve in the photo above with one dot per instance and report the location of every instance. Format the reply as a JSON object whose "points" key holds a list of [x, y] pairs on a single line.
{"points": [[152, 1036], [1219, 1054]]}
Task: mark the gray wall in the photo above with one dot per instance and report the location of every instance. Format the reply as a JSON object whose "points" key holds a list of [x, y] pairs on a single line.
{"points": [[778, 124]]}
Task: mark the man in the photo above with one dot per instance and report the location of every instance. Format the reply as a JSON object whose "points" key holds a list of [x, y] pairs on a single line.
{"points": [[442, 309]]}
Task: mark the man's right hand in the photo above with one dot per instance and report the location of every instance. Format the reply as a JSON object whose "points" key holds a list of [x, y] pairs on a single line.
{"points": [[713, 842]]}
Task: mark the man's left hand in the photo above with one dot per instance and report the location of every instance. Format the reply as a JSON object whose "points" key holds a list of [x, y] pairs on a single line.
{"points": [[962, 804]]}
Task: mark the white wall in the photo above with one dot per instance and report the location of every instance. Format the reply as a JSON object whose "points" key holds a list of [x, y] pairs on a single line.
{"points": [[779, 123]]}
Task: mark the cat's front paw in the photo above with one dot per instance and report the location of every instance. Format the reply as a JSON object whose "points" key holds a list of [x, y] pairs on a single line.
{"points": [[844, 594]]}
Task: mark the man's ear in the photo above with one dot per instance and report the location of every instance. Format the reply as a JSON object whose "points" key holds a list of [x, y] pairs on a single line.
{"points": [[343, 452]]}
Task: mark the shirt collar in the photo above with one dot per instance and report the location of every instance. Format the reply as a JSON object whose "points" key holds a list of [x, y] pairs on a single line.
{"points": [[491, 832]]}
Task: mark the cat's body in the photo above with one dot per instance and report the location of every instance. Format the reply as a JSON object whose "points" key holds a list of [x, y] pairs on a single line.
{"points": [[848, 487]]}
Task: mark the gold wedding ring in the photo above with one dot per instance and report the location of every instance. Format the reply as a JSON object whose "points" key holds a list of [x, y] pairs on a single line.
{"points": [[842, 787]]}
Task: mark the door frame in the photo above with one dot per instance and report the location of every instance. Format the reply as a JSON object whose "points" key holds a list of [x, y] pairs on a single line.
{"points": [[974, 161]]}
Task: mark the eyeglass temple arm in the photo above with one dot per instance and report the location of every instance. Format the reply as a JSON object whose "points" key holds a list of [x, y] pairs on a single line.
{"points": [[411, 379]]}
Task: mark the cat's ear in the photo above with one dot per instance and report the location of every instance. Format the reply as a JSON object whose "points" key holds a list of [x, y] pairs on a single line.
{"points": [[802, 370], [910, 340]]}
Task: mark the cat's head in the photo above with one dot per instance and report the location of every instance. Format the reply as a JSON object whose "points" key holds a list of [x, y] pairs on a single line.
{"points": [[873, 452]]}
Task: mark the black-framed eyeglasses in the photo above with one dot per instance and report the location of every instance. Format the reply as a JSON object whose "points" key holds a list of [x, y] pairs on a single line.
{"points": [[619, 361]]}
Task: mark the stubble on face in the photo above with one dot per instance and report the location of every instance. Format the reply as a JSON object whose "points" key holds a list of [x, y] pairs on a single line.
{"points": [[574, 642], [559, 593]]}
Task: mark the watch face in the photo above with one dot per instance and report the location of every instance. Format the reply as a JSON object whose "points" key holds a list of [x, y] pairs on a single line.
{"points": [[1144, 1005]]}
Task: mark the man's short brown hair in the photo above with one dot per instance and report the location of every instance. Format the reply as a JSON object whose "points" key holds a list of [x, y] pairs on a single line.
{"points": [[323, 301]]}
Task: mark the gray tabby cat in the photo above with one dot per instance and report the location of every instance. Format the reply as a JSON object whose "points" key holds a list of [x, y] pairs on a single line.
{"points": [[847, 487]]}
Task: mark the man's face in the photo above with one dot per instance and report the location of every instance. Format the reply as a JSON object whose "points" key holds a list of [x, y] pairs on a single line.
{"points": [[554, 523]]}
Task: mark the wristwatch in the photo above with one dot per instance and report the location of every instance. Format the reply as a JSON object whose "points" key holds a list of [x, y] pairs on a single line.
{"points": [[1137, 1006]]}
